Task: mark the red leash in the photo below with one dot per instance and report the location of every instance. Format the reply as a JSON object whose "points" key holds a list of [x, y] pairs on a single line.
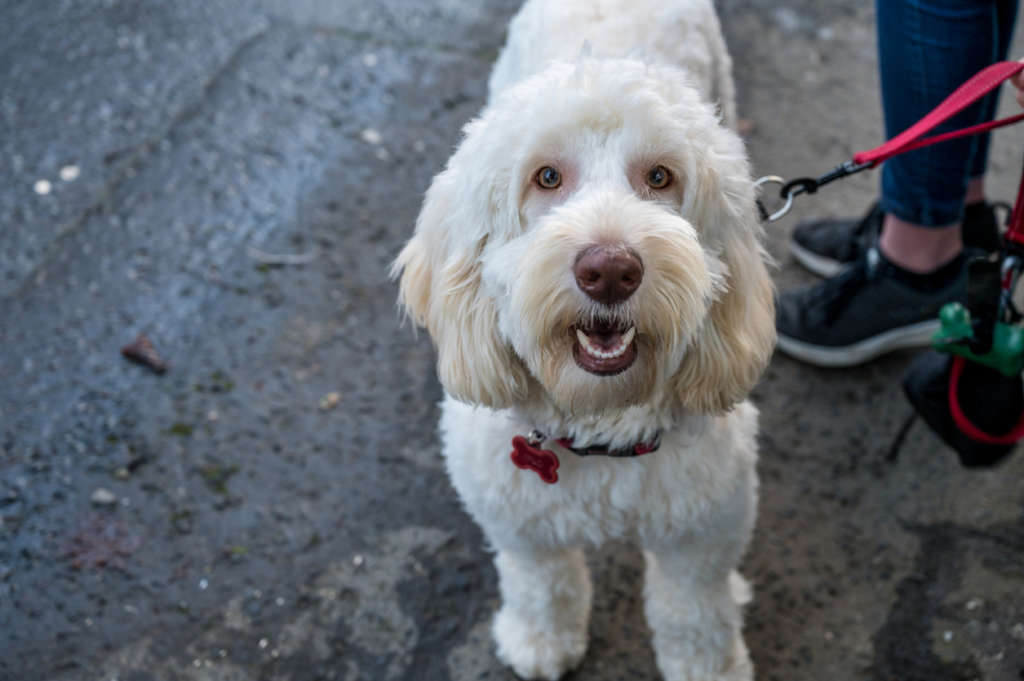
{"points": [[979, 85]]}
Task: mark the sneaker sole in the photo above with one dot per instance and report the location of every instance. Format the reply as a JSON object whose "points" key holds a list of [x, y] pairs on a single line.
{"points": [[914, 336], [819, 264]]}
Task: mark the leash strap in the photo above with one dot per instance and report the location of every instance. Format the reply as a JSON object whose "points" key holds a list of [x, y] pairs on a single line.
{"points": [[979, 85]]}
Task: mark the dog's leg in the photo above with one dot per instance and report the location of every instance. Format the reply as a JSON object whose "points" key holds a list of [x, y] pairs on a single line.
{"points": [[693, 607], [541, 628]]}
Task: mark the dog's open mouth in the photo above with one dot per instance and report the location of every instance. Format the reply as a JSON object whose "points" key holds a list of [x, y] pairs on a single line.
{"points": [[604, 348]]}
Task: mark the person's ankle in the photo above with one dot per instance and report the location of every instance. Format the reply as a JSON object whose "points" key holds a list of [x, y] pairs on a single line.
{"points": [[975, 191], [927, 282], [917, 248]]}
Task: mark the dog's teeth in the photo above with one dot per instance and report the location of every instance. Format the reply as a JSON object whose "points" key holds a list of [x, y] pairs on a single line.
{"points": [[584, 341], [617, 351]]}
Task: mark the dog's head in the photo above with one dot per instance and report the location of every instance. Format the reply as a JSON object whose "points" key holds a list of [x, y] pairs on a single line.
{"points": [[594, 234]]}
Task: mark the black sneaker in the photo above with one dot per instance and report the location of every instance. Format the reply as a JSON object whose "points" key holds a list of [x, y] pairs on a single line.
{"points": [[825, 246], [868, 309]]}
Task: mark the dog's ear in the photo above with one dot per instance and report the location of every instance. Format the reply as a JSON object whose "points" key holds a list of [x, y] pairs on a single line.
{"points": [[737, 338], [440, 288]]}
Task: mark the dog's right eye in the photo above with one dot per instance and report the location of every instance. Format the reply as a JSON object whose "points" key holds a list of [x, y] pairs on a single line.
{"points": [[548, 178]]}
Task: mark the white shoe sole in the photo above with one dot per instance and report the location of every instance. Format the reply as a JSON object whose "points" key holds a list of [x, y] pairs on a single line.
{"points": [[914, 336], [819, 264]]}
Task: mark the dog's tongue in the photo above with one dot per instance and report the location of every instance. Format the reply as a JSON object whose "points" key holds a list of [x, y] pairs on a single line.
{"points": [[605, 339]]}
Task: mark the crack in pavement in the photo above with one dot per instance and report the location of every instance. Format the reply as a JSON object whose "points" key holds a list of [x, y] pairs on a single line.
{"points": [[129, 161], [904, 644]]}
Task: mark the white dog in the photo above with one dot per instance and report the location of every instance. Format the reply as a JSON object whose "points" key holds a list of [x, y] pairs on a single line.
{"points": [[589, 265]]}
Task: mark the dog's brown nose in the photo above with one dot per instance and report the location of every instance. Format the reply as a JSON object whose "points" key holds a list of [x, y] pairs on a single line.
{"points": [[609, 274]]}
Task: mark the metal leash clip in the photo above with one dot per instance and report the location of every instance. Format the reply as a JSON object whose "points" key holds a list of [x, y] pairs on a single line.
{"points": [[803, 185]]}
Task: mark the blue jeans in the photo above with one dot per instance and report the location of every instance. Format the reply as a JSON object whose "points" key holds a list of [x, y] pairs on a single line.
{"points": [[926, 49]]}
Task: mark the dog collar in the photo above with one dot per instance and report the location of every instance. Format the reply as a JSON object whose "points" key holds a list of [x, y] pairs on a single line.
{"points": [[528, 454]]}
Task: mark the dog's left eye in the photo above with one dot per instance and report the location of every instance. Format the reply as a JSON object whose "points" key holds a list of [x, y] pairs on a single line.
{"points": [[548, 177], [659, 177]]}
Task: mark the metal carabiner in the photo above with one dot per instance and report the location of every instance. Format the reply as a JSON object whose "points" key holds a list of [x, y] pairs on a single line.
{"points": [[779, 214], [804, 185]]}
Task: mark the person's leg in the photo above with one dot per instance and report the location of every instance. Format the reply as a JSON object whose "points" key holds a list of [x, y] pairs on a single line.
{"points": [[926, 49], [919, 248], [890, 297]]}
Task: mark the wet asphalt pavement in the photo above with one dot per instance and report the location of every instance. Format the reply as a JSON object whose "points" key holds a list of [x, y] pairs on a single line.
{"points": [[232, 180]]}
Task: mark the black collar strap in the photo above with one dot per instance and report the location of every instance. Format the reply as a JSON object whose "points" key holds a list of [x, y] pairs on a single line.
{"points": [[639, 449]]}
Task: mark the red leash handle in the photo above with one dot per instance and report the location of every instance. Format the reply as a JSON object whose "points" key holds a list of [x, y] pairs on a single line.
{"points": [[964, 423], [979, 85]]}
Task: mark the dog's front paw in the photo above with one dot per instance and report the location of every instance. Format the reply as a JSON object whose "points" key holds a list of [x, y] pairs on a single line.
{"points": [[684, 668], [534, 653]]}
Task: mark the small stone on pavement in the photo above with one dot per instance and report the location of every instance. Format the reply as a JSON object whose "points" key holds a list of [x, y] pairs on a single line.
{"points": [[103, 497]]}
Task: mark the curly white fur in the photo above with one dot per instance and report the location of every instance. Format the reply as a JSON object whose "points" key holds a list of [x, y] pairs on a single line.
{"points": [[489, 272]]}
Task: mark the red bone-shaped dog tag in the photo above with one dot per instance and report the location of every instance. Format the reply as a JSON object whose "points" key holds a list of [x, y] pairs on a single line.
{"points": [[528, 457]]}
